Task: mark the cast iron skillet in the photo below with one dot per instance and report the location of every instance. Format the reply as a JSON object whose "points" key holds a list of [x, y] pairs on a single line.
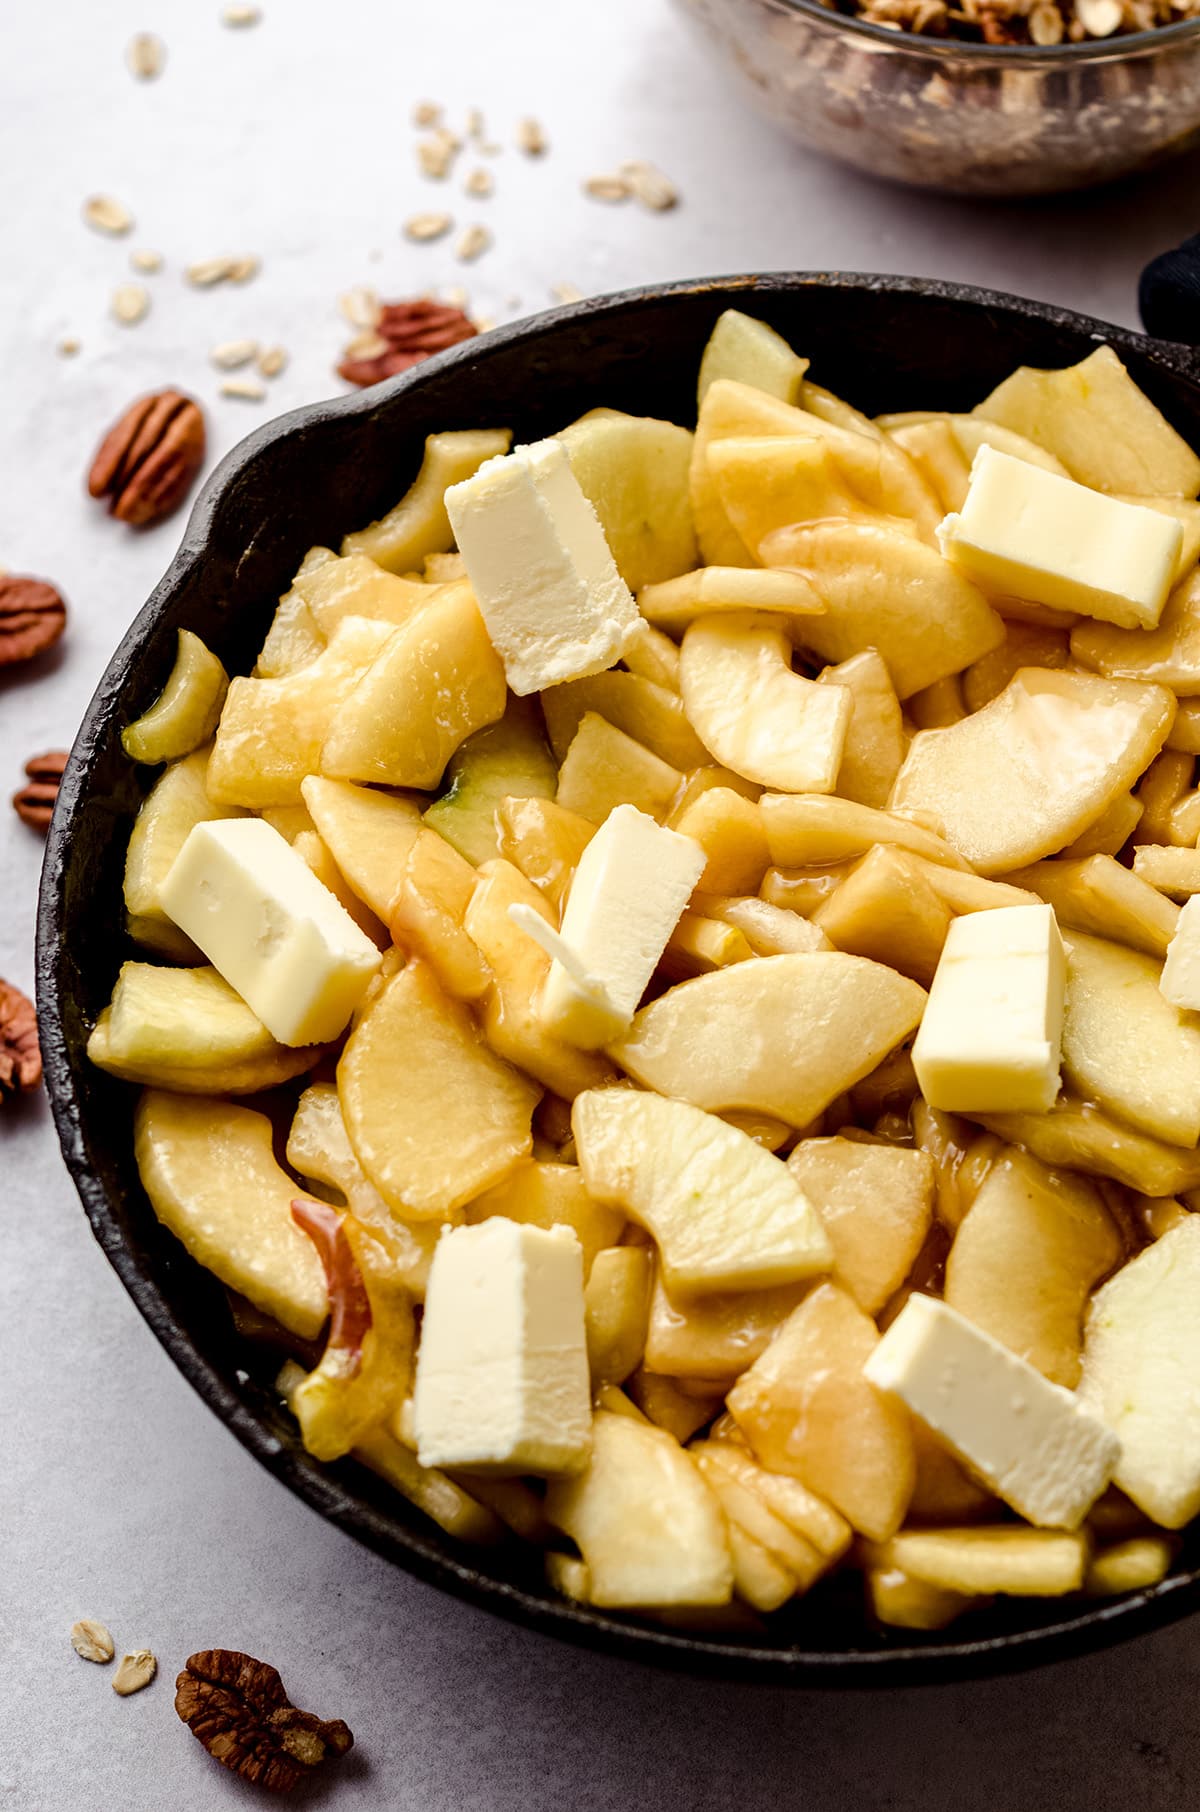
{"points": [[884, 343]]}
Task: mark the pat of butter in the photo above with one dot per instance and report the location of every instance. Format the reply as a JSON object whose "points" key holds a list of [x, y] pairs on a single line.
{"points": [[502, 1379], [1028, 532], [991, 1037], [631, 886], [1032, 1442], [1180, 979], [264, 921], [555, 606]]}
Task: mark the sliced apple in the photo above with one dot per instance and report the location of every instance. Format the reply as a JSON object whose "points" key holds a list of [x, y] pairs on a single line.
{"points": [[1067, 745], [813, 832], [1031, 1563], [633, 469], [356, 586], [177, 801], [186, 711], [1175, 872], [1129, 1566], [1139, 1366], [783, 1035], [543, 840], [293, 640], [909, 1604], [1080, 1136], [876, 1203], [315, 854], [729, 829], [211, 1176], [886, 909], [648, 1527], [1097, 894], [507, 760], [616, 1305], [271, 730], [1125, 1046], [1024, 645], [435, 682], [434, 1116], [748, 351], [724, 1213], [552, 1195], [875, 739], [753, 713], [769, 930], [666, 1403], [652, 655], [1111, 831], [1031, 1248], [882, 589], [1105, 430], [649, 713], [715, 1336], [428, 915], [604, 768], [369, 834], [418, 525], [770, 482], [807, 1410], [1168, 655], [712, 589]]}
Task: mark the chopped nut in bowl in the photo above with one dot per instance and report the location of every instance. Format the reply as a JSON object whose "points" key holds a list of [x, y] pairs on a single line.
{"points": [[975, 97]]}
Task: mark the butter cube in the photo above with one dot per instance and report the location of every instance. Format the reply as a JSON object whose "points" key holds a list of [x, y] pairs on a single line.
{"points": [[990, 1040], [555, 606], [281, 939], [502, 1379], [1180, 979], [632, 884], [1028, 532], [1031, 1442]]}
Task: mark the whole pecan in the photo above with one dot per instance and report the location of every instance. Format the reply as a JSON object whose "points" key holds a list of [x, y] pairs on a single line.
{"points": [[237, 1708], [34, 802], [32, 616], [411, 331], [20, 1057], [147, 462]]}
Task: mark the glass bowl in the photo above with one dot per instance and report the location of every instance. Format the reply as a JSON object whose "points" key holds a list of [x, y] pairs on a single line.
{"points": [[971, 119]]}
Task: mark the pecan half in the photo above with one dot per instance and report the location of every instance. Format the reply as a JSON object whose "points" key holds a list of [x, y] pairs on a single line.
{"points": [[32, 616], [34, 802], [147, 462], [20, 1058], [413, 331], [237, 1708]]}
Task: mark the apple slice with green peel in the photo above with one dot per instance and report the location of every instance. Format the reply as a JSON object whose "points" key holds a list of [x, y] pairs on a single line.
{"points": [[186, 711], [876, 1204], [807, 1410], [1067, 744], [712, 589], [434, 1116], [754, 714], [749, 352], [782, 1035], [883, 589], [418, 525], [650, 1530], [1141, 1353], [633, 470], [1080, 1136], [507, 760], [1125, 1046], [210, 1172], [1093, 417], [177, 801], [1029, 1252], [725, 1214]]}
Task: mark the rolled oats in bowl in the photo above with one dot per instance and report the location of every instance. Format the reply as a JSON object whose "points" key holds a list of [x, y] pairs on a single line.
{"points": [[976, 97]]}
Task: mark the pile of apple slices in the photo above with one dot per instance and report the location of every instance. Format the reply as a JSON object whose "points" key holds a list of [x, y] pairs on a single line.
{"points": [[647, 850]]}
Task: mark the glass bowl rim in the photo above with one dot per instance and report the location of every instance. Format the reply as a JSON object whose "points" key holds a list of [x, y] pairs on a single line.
{"points": [[1131, 44]]}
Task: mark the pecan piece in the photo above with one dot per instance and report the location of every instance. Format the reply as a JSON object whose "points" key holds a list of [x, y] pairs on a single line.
{"points": [[20, 1057], [413, 331], [32, 616], [147, 462], [34, 802], [237, 1708]]}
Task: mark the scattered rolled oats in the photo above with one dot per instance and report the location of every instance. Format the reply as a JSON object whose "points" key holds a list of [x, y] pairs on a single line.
{"points": [[426, 113], [135, 1671], [531, 139], [208, 271], [272, 361], [476, 127], [68, 346], [246, 389], [91, 1639], [367, 345], [479, 182], [649, 186], [231, 353], [239, 16], [435, 155], [607, 188], [472, 244], [241, 270], [1043, 23], [145, 56], [105, 214], [1046, 25], [130, 303], [566, 292], [422, 227], [360, 305], [146, 261]]}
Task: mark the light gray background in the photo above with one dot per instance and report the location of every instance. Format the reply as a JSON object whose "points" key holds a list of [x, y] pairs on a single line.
{"points": [[121, 1497]]}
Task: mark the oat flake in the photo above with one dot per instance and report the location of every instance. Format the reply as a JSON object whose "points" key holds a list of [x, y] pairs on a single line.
{"points": [[472, 244], [130, 303], [232, 353], [245, 389], [531, 139], [145, 56], [135, 1671], [607, 188], [272, 361], [360, 306], [146, 261], [479, 182], [105, 214], [91, 1640], [422, 227], [68, 346], [426, 113], [241, 16], [652, 188]]}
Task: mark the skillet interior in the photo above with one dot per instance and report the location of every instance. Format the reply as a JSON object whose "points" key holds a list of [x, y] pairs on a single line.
{"points": [[884, 343]]}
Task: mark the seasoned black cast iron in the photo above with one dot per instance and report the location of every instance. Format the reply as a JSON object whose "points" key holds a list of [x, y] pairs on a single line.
{"points": [[884, 343]]}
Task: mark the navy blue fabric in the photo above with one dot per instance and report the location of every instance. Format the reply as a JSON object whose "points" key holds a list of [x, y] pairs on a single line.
{"points": [[1169, 294]]}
